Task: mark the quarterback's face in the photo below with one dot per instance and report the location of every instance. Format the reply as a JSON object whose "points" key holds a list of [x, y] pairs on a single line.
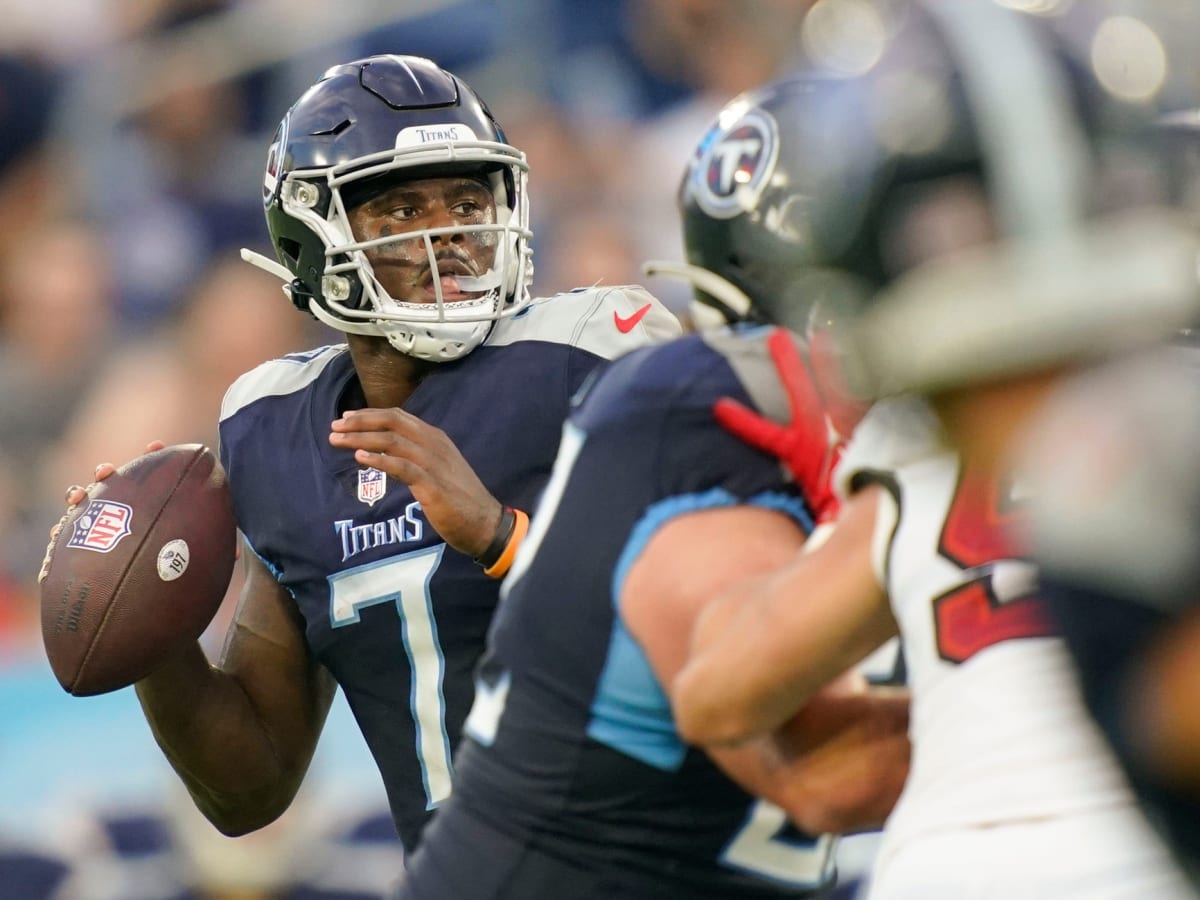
{"points": [[404, 267]]}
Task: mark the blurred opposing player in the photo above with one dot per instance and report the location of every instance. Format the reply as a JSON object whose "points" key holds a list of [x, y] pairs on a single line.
{"points": [[981, 196], [1104, 436], [381, 484], [1115, 530], [573, 781]]}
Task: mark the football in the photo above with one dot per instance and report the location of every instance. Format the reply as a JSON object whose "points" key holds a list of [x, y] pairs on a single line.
{"points": [[138, 569]]}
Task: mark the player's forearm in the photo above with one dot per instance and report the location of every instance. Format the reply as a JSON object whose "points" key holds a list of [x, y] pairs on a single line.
{"points": [[719, 697], [212, 735], [765, 665], [763, 650], [849, 758], [738, 710], [835, 768]]}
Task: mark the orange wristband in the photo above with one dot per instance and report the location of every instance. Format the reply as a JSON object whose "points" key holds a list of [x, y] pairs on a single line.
{"points": [[501, 566]]}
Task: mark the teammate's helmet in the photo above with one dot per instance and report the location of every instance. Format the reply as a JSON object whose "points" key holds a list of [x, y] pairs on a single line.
{"points": [[959, 160], [361, 128], [741, 200]]}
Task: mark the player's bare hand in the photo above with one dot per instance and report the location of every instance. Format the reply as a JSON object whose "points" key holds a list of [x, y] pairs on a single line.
{"points": [[454, 500]]}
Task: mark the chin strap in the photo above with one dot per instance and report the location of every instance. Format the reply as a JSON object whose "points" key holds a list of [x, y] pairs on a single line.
{"points": [[271, 267], [732, 297], [268, 265], [302, 301]]}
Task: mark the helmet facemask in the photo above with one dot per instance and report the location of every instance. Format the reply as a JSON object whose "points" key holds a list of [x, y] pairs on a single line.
{"points": [[489, 260]]}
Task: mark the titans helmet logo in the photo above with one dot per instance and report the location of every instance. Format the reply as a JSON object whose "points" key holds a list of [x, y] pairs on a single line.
{"points": [[734, 163]]}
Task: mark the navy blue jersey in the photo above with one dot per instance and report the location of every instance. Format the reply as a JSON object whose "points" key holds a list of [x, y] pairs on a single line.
{"points": [[396, 616], [573, 763]]}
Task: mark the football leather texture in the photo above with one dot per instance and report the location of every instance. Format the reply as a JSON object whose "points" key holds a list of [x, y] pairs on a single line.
{"points": [[138, 569]]}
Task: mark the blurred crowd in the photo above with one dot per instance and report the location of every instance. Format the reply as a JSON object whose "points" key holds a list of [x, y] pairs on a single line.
{"points": [[133, 136], [130, 168]]}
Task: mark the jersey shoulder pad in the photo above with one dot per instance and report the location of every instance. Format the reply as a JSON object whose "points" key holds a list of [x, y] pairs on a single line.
{"points": [[606, 321], [278, 377], [744, 348], [894, 433], [651, 378]]}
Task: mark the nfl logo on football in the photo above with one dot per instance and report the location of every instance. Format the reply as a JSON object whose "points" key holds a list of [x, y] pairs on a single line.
{"points": [[101, 526], [372, 484]]}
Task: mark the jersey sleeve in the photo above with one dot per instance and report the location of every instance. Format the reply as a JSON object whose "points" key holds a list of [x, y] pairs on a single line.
{"points": [[605, 322], [621, 319], [893, 434], [657, 404], [631, 312], [887, 518], [244, 441]]}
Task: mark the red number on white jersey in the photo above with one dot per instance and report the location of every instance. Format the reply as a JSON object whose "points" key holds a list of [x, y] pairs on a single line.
{"points": [[999, 602]]}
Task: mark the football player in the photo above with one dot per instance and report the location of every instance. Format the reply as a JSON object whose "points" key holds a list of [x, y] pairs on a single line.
{"points": [[950, 166], [573, 780], [1103, 432], [1110, 455], [382, 485]]}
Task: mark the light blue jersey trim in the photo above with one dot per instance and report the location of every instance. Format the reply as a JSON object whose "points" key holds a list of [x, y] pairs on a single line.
{"points": [[790, 506], [631, 712]]}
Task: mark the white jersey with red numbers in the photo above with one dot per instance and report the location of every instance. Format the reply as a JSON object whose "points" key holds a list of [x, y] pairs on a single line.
{"points": [[1001, 741]]}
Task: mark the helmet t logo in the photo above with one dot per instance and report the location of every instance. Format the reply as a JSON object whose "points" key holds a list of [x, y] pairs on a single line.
{"points": [[728, 158]]}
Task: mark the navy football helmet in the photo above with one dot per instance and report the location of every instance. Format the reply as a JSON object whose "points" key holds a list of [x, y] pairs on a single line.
{"points": [[961, 161], [741, 201], [363, 127]]}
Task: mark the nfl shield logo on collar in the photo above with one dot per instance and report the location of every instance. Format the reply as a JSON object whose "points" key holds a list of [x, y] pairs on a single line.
{"points": [[372, 484]]}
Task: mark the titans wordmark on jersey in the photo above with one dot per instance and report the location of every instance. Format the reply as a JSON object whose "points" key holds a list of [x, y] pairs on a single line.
{"points": [[396, 616], [573, 780]]}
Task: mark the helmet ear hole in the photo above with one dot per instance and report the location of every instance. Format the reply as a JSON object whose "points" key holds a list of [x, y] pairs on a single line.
{"points": [[290, 249]]}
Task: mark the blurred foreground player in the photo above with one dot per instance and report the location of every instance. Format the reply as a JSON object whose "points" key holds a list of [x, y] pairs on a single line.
{"points": [[1103, 432], [381, 484], [984, 203], [573, 781], [1115, 530]]}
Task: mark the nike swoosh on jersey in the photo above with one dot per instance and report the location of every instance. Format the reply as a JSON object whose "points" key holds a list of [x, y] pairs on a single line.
{"points": [[625, 325]]}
